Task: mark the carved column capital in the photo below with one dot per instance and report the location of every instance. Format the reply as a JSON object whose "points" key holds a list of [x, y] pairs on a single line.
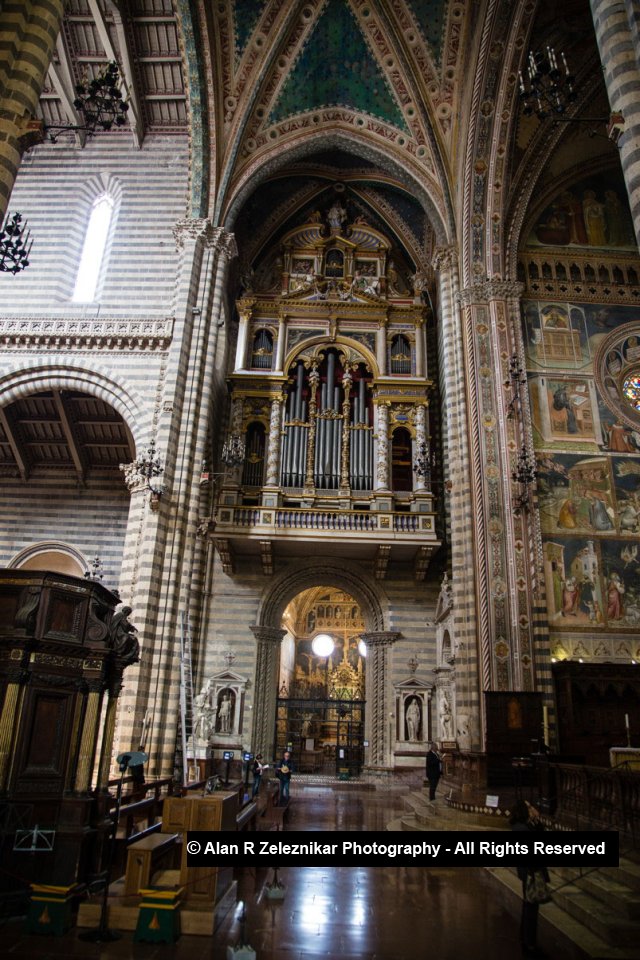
{"points": [[201, 228], [381, 638], [445, 257], [488, 290], [267, 635]]}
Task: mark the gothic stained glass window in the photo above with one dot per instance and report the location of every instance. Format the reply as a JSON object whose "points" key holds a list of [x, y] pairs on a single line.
{"points": [[631, 390]]}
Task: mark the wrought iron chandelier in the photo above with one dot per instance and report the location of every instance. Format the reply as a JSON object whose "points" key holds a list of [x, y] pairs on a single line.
{"points": [[548, 89], [100, 103], [149, 468], [517, 379], [95, 571], [422, 463], [525, 474], [233, 451], [15, 244]]}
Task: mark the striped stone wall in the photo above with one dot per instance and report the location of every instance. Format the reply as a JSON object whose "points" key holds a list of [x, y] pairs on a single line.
{"points": [[55, 189], [235, 605], [616, 24], [93, 519], [28, 31]]}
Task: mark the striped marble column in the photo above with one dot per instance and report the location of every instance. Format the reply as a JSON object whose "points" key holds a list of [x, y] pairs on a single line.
{"points": [[379, 719], [616, 25], [268, 641], [28, 32], [181, 425], [458, 473]]}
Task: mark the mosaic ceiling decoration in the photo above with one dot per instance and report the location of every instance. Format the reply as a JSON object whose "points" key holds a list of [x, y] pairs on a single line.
{"points": [[431, 17], [336, 69], [246, 14]]}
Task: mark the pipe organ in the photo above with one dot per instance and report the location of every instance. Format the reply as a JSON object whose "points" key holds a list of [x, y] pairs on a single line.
{"points": [[330, 372], [328, 435]]}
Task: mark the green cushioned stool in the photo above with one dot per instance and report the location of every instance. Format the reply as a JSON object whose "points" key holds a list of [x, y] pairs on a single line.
{"points": [[159, 917], [50, 909]]}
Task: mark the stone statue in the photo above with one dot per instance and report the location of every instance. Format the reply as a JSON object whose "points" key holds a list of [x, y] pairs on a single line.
{"points": [[336, 216], [203, 714], [123, 638], [306, 725], [413, 720], [225, 714], [445, 718]]}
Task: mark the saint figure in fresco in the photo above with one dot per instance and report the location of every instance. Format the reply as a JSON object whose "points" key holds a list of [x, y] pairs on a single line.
{"points": [[594, 219], [570, 597], [615, 591]]}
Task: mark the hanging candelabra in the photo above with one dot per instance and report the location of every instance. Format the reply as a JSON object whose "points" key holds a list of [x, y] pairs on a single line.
{"points": [[547, 89], [15, 244], [517, 379], [149, 469], [99, 102], [95, 571], [423, 462], [233, 451], [524, 474]]}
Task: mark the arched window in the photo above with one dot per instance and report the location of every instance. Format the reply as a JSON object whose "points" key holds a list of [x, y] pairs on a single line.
{"points": [[262, 351], [401, 470], [400, 355], [253, 471], [95, 241]]}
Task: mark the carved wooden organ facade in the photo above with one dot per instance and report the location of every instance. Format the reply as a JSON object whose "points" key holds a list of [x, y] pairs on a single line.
{"points": [[331, 395]]}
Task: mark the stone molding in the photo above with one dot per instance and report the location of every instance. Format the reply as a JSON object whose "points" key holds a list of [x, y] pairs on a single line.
{"points": [[214, 238], [86, 334], [488, 290]]}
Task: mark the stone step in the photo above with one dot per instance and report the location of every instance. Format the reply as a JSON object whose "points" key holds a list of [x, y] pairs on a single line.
{"points": [[567, 916], [438, 815], [596, 916], [609, 889], [628, 873]]}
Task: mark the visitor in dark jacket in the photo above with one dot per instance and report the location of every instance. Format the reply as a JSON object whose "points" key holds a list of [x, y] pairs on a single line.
{"points": [[526, 819]]}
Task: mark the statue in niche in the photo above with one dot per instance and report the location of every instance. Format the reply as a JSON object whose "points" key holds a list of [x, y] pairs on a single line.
{"points": [[445, 718], [413, 718], [203, 721], [225, 712], [123, 637], [336, 216], [306, 725]]}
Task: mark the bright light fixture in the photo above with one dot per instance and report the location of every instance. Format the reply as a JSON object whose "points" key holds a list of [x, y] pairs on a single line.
{"points": [[323, 645], [362, 648]]}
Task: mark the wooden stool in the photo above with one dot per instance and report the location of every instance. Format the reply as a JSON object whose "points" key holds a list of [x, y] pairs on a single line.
{"points": [[159, 916]]}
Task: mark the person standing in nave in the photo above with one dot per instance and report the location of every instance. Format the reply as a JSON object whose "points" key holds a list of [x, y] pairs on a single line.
{"points": [[283, 772], [434, 770], [525, 818]]}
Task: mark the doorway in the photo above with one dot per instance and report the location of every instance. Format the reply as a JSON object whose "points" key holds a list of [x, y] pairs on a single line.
{"points": [[320, 709]]}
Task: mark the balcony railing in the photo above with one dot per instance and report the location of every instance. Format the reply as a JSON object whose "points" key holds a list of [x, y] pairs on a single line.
{"points": [[326, 520]]}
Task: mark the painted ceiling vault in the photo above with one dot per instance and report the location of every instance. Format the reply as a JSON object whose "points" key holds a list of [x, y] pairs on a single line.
{"points": [[409, 108]]}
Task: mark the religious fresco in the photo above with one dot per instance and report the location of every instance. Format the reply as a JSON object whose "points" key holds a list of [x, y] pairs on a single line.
{"points": [[593, 213], [562, 408], [583, 368], [573, 582], [621, 576], [575, 494], [568, 335], [626, 479]]}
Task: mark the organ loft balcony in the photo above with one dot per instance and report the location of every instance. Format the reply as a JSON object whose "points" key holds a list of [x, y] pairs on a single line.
{"points": [[328, 449]]}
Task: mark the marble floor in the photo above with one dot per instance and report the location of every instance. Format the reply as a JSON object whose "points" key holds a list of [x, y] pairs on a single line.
{"points": [[345, 913]]}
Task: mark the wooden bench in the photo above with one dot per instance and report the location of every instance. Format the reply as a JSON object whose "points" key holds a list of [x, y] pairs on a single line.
{"points": [[143, 857]]}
